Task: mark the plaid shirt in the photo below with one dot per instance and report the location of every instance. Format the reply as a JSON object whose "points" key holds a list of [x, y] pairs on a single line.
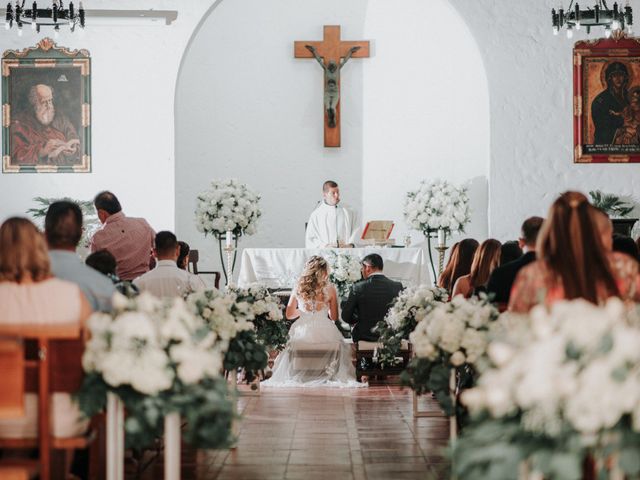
{"points": [[130, 241]]}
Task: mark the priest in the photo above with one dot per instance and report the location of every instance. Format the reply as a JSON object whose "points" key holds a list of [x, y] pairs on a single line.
{"points": [[331, 225]]}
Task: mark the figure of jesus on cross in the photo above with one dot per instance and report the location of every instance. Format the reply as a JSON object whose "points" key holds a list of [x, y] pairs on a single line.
{"points": [[332, 54], [331, 82]]}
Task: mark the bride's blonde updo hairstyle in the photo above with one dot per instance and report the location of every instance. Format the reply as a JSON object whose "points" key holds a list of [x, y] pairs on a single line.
{"points": [[314, 278]]}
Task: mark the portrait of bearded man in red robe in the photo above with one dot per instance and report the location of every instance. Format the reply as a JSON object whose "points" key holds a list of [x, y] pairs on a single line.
{"points": [[41, 135]]}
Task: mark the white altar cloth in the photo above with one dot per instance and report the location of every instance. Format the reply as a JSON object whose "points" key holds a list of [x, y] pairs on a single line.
{"points": [[280, 267]]}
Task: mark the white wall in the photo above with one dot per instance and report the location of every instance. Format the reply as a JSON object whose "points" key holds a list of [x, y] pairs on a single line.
{"points": [[134, 70], [530, 88], [247, 109], [425, 109]]}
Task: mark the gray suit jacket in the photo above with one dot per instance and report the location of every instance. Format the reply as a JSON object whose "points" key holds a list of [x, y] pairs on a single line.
{"points": [[368, 302]]}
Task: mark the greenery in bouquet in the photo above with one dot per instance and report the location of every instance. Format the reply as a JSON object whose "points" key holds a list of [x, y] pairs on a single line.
{"points": [[265, 312], [89, 215], [232, 323], [227, 206], [437, 205], [344, 271], [563, 389], [411, 306], [451, 337], [158, 358]]}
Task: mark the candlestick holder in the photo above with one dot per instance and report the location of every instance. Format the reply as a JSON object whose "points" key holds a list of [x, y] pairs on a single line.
{"points": [[442, 249], [230, 249], [441, 236]]}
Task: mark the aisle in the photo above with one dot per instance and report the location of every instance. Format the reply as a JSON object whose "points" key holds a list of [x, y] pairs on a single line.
{"points": [[333, 434]]}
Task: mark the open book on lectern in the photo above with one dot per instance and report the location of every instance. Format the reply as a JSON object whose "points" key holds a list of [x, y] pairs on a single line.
{"points": [[377, 231]]}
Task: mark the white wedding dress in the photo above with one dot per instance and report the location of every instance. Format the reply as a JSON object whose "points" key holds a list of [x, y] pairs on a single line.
{"points": [[316, 354]]}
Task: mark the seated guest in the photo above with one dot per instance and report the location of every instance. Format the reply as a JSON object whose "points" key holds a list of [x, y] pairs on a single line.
{"points": [[63, 229], [183, 257], [105, 263], [486, 259], [502, 278], [624, 244], [30, 294], [446, 273], [183, 263], [166, 279], [573, 260], [459, 264], [510, 251], [130, 240], [370, 299]]}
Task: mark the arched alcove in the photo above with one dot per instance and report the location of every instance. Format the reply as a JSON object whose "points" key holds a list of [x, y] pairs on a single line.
{"points": [[247, 109]]}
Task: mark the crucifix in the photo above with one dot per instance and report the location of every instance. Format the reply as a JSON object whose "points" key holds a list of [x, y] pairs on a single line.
{"points": [[332, 54]]}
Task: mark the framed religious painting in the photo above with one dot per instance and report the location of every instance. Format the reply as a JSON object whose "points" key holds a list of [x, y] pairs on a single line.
{"points": [[606, 102], [46, 110]]}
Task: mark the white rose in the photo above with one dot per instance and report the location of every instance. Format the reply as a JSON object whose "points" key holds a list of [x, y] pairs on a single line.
{"points": [[457, 359], [500, 353]]}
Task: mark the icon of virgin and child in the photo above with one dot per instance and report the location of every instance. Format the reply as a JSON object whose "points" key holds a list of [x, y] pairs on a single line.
{"points": [[616, 110]]}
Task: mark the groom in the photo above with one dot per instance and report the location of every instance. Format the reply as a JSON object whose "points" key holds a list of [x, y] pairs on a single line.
{"points": [[369, 300]]}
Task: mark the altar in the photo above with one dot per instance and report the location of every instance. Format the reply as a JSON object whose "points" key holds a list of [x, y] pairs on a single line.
{"points": [[280, 267]]}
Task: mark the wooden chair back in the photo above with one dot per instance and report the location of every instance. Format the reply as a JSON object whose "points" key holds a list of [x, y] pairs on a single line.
{"points": [[44, 336], [12, 386], [192, 265]]}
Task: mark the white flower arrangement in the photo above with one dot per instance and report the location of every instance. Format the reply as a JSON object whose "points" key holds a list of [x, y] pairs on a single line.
{"points": [[578, 364], [227, 206], [457, 331], [220, 312], [411, 306], [241, 309], [158, 359], [265, 312], [144, 338], [561, 387], [437, 205], [344, 271]]}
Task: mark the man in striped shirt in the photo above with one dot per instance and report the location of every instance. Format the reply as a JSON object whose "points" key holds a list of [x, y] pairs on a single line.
{"points": [[130, 240]]}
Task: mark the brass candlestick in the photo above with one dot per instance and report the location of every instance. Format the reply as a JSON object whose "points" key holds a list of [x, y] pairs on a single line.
{"points": [[441, 251]]}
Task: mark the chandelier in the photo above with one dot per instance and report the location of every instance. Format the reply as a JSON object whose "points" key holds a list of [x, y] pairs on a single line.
{"points": [[600, 15], [54, 16]]}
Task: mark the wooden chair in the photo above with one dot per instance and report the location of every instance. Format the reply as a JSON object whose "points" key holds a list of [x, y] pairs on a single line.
{"points": [[194, 258], [366, 351], [53, 364], [12, 398]]}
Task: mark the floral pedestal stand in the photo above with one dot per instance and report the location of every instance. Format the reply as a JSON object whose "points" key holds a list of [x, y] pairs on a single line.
{"points": [[234, 423], [231, 249], [115, 441], [441, 236], [172, 446], [115, 438]]}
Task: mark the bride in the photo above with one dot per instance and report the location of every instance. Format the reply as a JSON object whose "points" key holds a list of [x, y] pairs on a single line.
{"points": [[316, 354]]}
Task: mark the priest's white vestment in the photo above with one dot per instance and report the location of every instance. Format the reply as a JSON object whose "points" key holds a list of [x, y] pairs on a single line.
{"points": [[330, 225]]}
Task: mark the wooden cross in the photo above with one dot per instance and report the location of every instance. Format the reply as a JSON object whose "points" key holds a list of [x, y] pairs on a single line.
{"points": [[334, 53]]}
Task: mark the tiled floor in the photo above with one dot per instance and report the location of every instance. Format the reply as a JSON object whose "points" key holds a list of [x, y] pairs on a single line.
{"points": [[328, 434]]}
